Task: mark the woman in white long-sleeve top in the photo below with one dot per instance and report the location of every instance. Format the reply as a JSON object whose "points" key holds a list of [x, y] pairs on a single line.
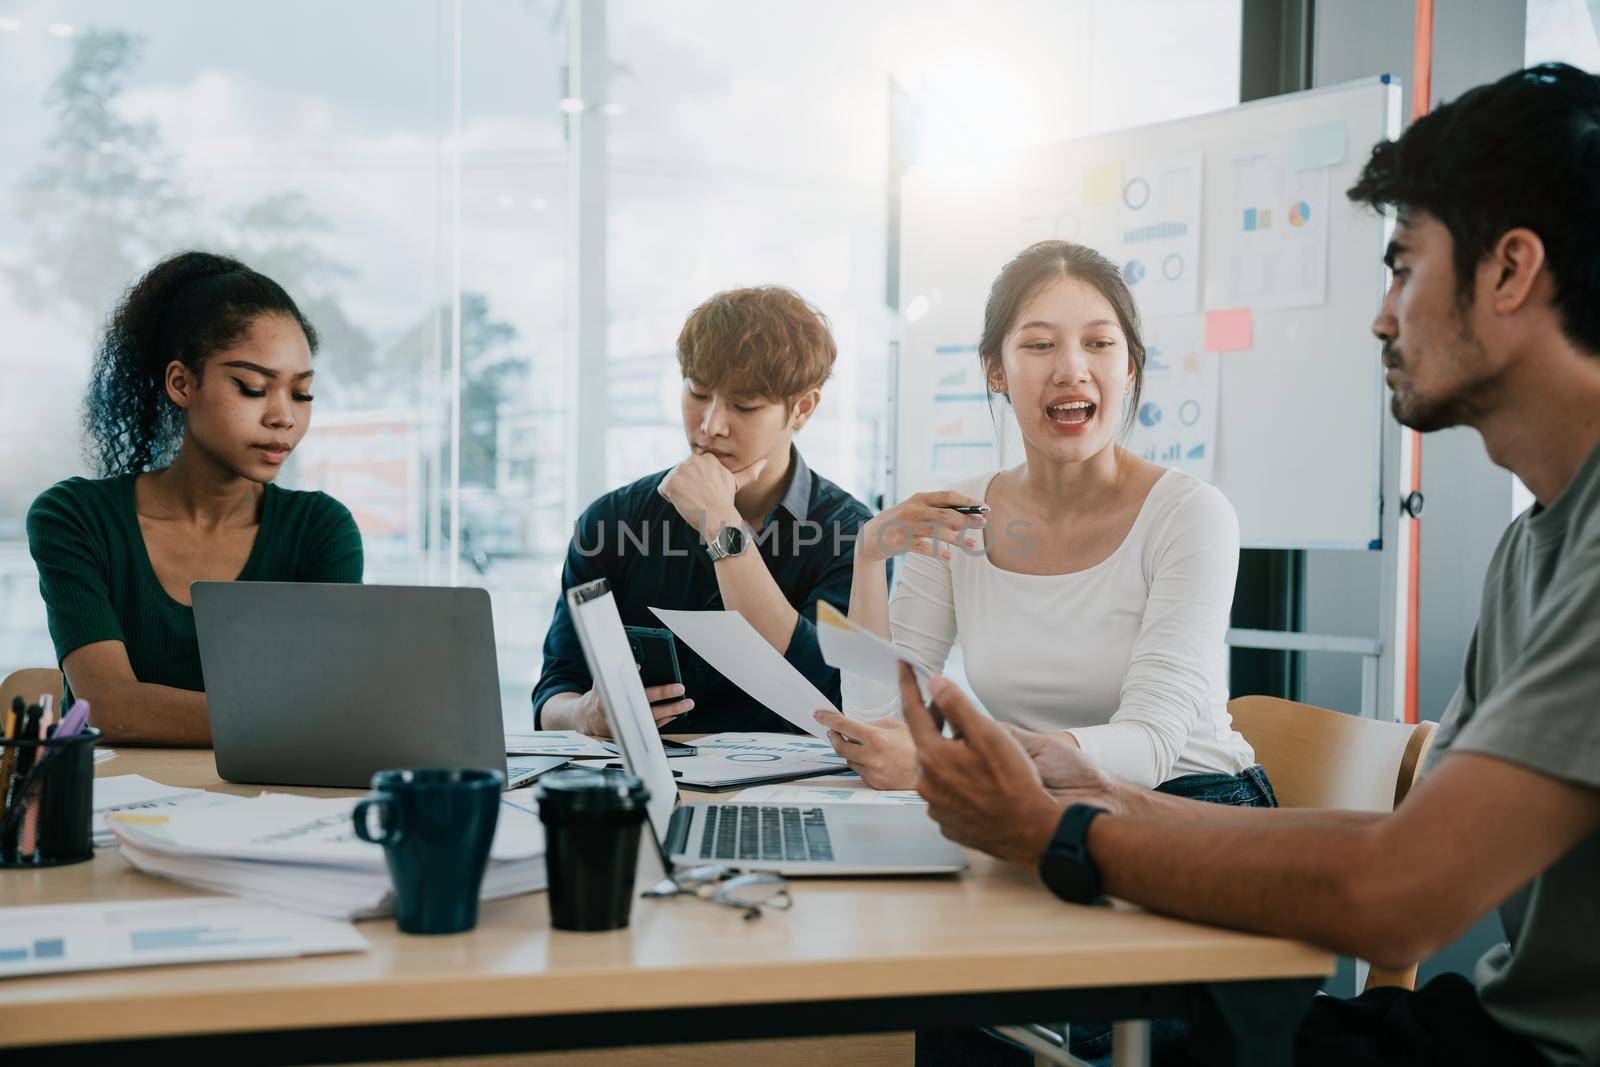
{"points": [[1093, 597]]}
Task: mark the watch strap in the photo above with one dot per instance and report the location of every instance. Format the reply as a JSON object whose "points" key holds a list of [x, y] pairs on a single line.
{"points": [[1070, 842]]}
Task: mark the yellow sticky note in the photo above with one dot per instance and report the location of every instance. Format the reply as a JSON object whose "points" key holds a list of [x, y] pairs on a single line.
{"points": [[137, 820], [1102, 183]]}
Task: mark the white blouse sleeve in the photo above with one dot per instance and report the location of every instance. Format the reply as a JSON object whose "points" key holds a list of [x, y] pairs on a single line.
{"points": [[1192, 558], [922, 620]]}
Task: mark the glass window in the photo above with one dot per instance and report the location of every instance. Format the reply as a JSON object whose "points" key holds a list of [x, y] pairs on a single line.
{"points": [[404, 165]]}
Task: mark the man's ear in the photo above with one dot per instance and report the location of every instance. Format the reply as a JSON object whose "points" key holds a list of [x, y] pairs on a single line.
{"points": [[803, 408], [1514, 266], [181, 383]]}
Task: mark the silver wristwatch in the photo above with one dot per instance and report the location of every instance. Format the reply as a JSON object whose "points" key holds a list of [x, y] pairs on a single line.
{"points": [[730, 541]]}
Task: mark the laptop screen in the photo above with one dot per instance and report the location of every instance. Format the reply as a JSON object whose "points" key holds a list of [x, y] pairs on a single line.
{"points": [[605, 647]]}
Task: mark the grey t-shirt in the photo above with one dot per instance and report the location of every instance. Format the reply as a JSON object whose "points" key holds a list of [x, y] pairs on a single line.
{"points": [[1531, 694]]}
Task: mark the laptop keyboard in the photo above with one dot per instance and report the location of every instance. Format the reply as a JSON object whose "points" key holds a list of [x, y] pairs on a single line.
{"points": [[736, 832]]}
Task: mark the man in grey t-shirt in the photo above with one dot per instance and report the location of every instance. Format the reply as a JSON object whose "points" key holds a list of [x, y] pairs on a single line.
{"points": [[1492, 320]]}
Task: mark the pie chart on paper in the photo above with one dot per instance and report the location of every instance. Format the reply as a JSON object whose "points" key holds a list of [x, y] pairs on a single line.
{"points": [[1299, 213]]}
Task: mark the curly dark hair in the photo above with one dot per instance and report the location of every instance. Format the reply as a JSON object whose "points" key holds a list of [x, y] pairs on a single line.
{"points": [[1521, 152], [187, 307]]}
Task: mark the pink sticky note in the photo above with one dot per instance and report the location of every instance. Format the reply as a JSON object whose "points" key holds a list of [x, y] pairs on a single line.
{"points": [[1228, 330]]}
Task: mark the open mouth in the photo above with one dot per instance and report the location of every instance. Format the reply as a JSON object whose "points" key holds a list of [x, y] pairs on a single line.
{"points": [[1073, 413]]}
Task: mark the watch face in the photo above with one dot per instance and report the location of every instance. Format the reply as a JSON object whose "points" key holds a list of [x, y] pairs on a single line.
{"points": [[1068, 878], [732, 540]]}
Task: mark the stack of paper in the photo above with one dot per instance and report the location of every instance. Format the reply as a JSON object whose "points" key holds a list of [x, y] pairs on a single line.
{"points": [[135, 792], [103, 754], [52, 938], [303, 852]]}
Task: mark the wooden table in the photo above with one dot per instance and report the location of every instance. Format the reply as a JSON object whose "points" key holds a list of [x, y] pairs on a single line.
{"points": [[990, 946]]}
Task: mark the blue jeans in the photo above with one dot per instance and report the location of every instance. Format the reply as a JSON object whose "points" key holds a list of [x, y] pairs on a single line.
{"points": [[1092, 1041]]}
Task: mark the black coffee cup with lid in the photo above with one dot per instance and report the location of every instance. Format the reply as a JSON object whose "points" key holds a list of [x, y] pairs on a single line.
{"points": [[593, 817]]}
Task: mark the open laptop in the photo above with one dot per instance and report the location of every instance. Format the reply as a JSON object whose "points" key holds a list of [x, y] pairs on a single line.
{"points": [[822, 840], [312, 684]]}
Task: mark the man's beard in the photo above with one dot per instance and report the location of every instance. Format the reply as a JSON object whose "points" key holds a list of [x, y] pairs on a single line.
{"points": [[1460, 407]]}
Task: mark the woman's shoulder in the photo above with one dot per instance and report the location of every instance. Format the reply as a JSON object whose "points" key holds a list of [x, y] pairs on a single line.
{"points": [[75, 501], [1181, 503], [310, 509]]}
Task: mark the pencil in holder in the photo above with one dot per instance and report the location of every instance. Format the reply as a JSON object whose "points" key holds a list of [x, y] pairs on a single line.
{"points": [[48, 795]]}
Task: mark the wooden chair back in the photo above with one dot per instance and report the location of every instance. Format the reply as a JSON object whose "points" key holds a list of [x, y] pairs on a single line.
{"points": [[28, 683], [1318, 758]]}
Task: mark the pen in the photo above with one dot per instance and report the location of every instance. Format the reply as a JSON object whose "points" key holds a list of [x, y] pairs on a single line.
{"points": [[13, 725], [26, 731], [967, 509]]}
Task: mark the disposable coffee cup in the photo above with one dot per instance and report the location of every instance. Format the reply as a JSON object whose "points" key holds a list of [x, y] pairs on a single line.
{"points": [[592, 822]]}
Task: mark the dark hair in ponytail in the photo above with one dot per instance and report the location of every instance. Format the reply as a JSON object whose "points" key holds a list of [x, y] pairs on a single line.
{"points": [[188, 307], [1037, 266]]}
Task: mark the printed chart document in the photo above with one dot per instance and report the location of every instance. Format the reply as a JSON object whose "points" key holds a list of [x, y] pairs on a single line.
{"points": [[811, 795], [53, 938], [729, 643], [729, 760], [568, 743]]}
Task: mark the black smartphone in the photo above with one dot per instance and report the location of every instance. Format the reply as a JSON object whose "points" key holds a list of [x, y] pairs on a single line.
{"points": [[656, 653]]}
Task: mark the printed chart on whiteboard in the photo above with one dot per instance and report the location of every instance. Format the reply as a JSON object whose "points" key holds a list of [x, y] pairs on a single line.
{"points": [[1176, 422], [1279, 232], [963, 425]]}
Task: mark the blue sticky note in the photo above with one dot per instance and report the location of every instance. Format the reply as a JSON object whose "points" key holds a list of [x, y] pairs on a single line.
{"points": [[1319, 146]]}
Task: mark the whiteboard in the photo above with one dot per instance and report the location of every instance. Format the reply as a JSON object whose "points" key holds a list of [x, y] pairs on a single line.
{"points": [[1298, 443]]}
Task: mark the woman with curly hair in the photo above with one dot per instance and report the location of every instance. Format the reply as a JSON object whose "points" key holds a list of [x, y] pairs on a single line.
{"points": [[201, 388]]}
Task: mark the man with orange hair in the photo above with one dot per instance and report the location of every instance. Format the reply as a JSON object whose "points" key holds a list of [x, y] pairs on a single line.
{"points": [[742, 524]]}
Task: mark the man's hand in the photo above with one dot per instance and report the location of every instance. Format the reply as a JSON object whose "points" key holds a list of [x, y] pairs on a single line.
{"points": [[981, 787], [881, 752], [1066, 772], [664, 706], [703, 491]]}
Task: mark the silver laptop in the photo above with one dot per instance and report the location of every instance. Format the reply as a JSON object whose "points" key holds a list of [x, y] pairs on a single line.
{"points": [[311, 684], [822, 840]]}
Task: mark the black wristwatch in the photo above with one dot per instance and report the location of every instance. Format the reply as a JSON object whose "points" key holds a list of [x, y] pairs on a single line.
{"points": [[729, 541], [1066, 866]]}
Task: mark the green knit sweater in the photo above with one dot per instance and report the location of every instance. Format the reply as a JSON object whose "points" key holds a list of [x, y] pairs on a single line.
{"points": [[98, 584]]}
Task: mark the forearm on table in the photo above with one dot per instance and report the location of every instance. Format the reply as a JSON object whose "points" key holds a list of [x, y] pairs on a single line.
{"points": [[1136, 800], [1311, 875], [748, 588], [139, 713]]}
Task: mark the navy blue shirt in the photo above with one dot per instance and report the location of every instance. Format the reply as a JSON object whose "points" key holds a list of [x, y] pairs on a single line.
{"points": [[653, 558]]}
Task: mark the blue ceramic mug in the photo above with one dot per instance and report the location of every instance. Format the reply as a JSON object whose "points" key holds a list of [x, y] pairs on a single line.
{"points": [[435, 827]]}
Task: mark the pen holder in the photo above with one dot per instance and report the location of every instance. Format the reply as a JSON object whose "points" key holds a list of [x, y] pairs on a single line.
{"points": [[49, 801]]}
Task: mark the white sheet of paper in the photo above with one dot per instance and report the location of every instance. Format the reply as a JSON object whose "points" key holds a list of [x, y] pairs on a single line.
{"points": [[729, 758], [122, 790], [556, 743], [729, 643], [806, 795], [53, 938], [175, 798], [103, 754], [850, 648]]}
